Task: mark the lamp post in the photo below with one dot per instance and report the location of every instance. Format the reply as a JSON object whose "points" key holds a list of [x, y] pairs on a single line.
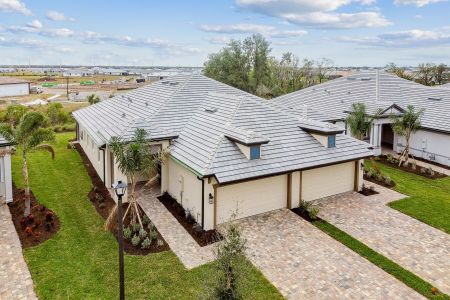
{"points": [[120, 189]]}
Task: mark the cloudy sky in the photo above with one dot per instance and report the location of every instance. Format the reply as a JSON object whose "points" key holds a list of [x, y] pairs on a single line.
{"points": [[170, 32]]}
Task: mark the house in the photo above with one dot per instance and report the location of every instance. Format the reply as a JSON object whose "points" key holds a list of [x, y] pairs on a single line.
{"points": [[230, 151], [385, 92], [6, 194], [10, 86]]}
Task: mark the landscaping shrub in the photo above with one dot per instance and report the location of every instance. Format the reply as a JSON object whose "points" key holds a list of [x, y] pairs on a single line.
{"points": [[160, 243], [146, 243], [153, 235], [145, 220], [127, 233], [136, 227], [313, 212], [304, 206], [135, 240], [142, 233]]}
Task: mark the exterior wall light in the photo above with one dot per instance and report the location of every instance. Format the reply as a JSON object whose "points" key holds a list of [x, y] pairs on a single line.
{"points": [[210, 198]]}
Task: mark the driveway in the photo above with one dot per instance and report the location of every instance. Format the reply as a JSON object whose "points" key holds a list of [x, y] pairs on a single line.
{"points": [[416, 246], [305, 263]]}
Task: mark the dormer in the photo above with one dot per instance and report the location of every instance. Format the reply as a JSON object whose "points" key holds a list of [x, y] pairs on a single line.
{"points": [[324, 133], [248, 142]]}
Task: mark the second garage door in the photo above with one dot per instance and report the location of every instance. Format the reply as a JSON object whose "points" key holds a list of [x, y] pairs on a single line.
{"points": [[251, 197], [327, 181]]}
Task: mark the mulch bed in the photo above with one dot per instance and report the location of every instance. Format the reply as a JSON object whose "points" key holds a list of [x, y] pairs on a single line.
{"points": [[367, 191], [417, 171], [202, 237], [304, 215], [39, 226], [103, 203], [382, 183]]}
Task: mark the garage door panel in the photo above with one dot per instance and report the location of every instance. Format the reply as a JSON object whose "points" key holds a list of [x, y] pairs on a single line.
{"points": [[327, 181], [251, 198]]}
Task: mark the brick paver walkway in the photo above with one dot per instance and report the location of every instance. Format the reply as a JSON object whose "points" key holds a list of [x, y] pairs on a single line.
{"points": [[179, 240], [414, 245], [15, 279], [305, 263]]}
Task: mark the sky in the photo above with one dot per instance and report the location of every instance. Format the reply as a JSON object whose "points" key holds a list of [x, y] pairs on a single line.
{"points": [[183, 33]]}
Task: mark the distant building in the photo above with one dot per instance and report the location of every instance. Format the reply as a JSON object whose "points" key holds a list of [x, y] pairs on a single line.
{"points": [[10, 86], [6, 194]]}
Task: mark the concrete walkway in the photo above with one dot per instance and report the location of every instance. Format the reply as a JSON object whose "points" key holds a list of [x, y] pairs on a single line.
{"points": [[414, 245], [15, 278], [305, 263], [179, 240]]}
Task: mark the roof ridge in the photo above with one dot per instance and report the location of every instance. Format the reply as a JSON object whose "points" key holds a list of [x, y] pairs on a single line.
{"points": [[222, 136]]}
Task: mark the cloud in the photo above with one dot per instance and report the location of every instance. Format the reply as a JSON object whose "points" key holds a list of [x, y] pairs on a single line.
{"points": [[247, 28], [14, 6], [219, 40], [404, 39], [36, 27], [317, 14], [36, 24], [57, 16], [418, 3]]}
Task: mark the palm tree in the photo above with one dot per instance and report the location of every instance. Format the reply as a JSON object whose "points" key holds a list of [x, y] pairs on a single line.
{"points": [[359, 122], [93, 99], [29, 135], [405, 125], [134, 158]]}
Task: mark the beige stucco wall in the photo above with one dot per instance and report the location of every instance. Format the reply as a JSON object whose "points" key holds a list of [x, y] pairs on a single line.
{"points": [[323, 139], [92, 151], [251, 197], [327, 181]]}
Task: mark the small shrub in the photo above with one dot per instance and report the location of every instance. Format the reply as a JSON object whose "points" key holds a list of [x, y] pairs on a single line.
{"points": [[377, 158], [387, 180], [136, 227], [371, 173], [312, 212], [413, 166], [303, 206], [423, 170], [153, 235], [49, 216], [102, 205], [150, 225], [142, 233], [135, 240], [48, 226], [379, 177], [127, 233], [430, 171], [146, 243], [29, 231], [99, 198], [145, 220], [372, 188], [160, 243]]}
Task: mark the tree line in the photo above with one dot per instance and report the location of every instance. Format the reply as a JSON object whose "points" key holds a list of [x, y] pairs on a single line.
{"points": [[427, 73], [248, 65]]}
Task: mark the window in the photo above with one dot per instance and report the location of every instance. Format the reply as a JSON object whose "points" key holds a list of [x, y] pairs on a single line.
{"points": [[255, 152], [82, 134], [331, 141]]}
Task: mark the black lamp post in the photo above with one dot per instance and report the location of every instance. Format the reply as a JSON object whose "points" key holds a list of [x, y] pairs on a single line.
{"points": [[120, 189]]}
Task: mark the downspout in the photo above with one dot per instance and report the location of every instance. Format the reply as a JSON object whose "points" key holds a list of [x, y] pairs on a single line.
{"points": [[203, 201], [104, 165]]}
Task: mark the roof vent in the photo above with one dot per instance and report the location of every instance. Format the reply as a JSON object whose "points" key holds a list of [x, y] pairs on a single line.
{"points": [[124, 115], [174, 83], [146, 103], [130, 100], [349, 92], [366, 79], [435, 98], [351, 78], [164, 82], [211, 109]]}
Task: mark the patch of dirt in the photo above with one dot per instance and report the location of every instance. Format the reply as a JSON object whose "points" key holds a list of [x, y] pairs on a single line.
{"points": [[418, 171], [202, 237], [39, 226], [104, 204]]}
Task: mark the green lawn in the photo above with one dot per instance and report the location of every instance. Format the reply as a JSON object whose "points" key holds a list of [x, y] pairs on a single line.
{"points": [[429, 199], [81, 261]]}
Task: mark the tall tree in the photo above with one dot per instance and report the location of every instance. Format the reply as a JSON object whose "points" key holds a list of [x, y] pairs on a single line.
{"points": [[400, 72], [29, 135], [134, 158], [359, 121], [404, 126], [441, 74], [14, 113], [425, 74]]}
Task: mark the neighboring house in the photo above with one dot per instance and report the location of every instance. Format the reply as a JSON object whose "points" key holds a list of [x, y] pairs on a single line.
{"points": [[331, 102], [229, 150], [5, 172], [10, 86]]}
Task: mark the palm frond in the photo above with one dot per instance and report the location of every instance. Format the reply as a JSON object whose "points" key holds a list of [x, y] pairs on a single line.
{"points": [[46, 147], [39, 136], [7, 132]]}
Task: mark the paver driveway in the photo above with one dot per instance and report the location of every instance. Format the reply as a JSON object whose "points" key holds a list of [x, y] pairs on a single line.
{"points": [[414, 245], [305, 263], [15, 279]]}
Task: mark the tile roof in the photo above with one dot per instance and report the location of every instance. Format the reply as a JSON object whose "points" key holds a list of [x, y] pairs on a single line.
{"points": [[203, 114], [333, 99]]}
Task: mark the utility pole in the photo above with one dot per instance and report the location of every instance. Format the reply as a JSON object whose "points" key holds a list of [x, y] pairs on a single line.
{"points": [[67, 88]]}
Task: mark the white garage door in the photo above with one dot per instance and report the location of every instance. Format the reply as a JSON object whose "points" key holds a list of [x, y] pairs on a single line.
{"points": [[251, 197], [327, 181]]}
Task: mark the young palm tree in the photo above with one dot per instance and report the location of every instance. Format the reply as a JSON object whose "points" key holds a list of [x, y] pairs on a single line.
{"points": [[405, 125], [29, 135], [134, 158], [358, 120]]}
